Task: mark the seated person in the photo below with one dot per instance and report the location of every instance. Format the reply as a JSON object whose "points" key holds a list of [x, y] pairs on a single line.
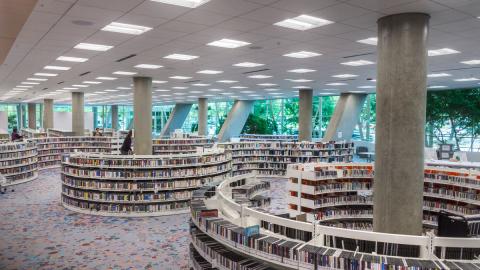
{"points": [[16, 136]]}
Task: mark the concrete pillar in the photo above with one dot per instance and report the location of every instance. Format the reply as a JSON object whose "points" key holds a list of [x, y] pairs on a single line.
{"points": [[176, 119], [142, 115], [78, 108], [95, 116], [400, 126], [345, 117], [19, 116], [202, 116], [305, 104], [236, 118], [47, 114], [115, 117], [32, 115]]}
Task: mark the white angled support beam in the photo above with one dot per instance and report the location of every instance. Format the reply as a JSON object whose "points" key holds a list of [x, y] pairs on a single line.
{"points": [[238, 115], [176, 119]]}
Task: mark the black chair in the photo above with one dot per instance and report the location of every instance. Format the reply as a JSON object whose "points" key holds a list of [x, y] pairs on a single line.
{"points": [[361, 149]]}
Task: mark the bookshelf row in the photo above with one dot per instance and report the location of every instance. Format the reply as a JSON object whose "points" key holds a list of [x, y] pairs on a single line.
{"points": [[267, 137], [271, 158], [278, 241], [180, 145], [18, 162], [341, 194], [138, 185]]}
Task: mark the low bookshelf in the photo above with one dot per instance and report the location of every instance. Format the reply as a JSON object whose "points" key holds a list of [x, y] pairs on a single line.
{"points": [[138, 185], [18, 162], [270, 158], [267, 137], [33, 133], [180, 145]]}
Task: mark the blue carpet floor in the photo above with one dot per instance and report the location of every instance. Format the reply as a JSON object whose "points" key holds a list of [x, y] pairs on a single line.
{"points": [[36, 232]]}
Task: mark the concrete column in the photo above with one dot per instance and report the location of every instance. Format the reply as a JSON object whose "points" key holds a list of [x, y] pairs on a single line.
{"points": [[47, 114], [20, 116], [176, 119], [115, 117], [400, 127], [236, 118], [202, 116], [32, 116], [305, 104], [345, 117], [78, 108], [142, 115]]}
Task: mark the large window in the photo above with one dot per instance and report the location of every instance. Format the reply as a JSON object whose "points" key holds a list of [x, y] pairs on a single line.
{"points": [[365, 128], [217, 113]]}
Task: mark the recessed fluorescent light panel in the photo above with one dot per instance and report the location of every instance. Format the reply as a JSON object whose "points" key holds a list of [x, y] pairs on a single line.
{"points": [[72, 59], [91, 82], [228, 43], [183, 57], [159, 82], [303, 22], [302, 87], [207, 71], [180, 77], [148, 66], [471, 62], [32, 83], [183, 3], [201, 84], [37, 79], [299, 80], [260, 76], [467, 79], [238, 87], [369, 41], [227, 81], [436, 87], [266, 84], [46, 74], [302, 54], [93, 47], [125, 28], [127, 73], [357, 91], [358, 63], [438, 75], [301, 70], [335, 84], [443, 51], [367, 87], [56, 68], [106, 78], [345, 76], [248, 64]]}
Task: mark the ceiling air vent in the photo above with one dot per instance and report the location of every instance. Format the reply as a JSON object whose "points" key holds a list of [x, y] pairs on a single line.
{"points": [[356, 55], [85, 73], [126, 57], [254, 71]]}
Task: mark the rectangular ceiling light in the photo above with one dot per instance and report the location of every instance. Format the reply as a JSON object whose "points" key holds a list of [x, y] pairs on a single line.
{"points": [[248, 64], [302, 87], [443, 51], [302, 54], [301, 70], [37, 79], [126, 73], [125, 28], [46, 74], [70, 88], [299, 80], [32, 83], [260, 76], [438, 75], [201, 84], [467, 79], [24, 86], [106, 78], [183, 3], [124, 88], [471, 62], [227, 81], [369, 41], [159, 82], [93, 47], [336, 84], [358, 63], [148, 66], [207, 71], [238, 87], [367, 87], [56, 68], [266, 84], [436, 87], [303, 22], [228, 43], [80, 85], [183, 57], [111, 90], [72, 59], [91, 82], [179, 87], [344, 76], [180, 77]]}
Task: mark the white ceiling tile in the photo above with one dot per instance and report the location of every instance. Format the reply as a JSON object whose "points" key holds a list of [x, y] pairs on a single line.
{"points": [[203, 17]]}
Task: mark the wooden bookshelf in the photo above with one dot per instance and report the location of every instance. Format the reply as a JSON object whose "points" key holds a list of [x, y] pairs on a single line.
{"points": [[138, 185], [51, 149], [18, 162], [271, 158], [341, 194]]}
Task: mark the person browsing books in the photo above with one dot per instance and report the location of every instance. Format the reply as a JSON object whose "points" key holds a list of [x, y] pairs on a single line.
{"points": [[127, 144], [97, 133], [16, 136]]}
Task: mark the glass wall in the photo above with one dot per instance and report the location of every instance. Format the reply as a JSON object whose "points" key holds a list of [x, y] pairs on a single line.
{"points": [[365, 128], [217, 113], [12, 119]]}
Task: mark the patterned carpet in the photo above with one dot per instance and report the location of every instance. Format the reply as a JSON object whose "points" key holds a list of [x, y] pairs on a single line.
{"points": [[36, 232]]}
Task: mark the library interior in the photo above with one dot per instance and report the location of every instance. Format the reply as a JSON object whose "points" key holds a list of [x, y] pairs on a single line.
{"points": [[240, 134]]}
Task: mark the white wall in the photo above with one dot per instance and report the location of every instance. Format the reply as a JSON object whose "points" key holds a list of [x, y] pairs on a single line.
{"points": [[3, 122], [63, 120]]}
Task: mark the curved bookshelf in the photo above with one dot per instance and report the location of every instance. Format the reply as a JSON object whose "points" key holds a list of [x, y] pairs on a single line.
{"points": [[270, 158], [137, 185], [223, 229], [18, 162], [180, 145], [267, 137], [341, 194], [51, 149]]}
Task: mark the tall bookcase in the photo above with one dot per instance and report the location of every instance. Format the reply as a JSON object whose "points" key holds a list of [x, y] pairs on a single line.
{"points": [[138, 185], [18, 162], [270, 158]]}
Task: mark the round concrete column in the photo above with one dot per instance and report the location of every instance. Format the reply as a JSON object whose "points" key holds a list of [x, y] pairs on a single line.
{"points": [[142, 115], [78, 109], [47, 114], [202, 116], [305, 104], [115, 117], [400, 123], [32, 115]]}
